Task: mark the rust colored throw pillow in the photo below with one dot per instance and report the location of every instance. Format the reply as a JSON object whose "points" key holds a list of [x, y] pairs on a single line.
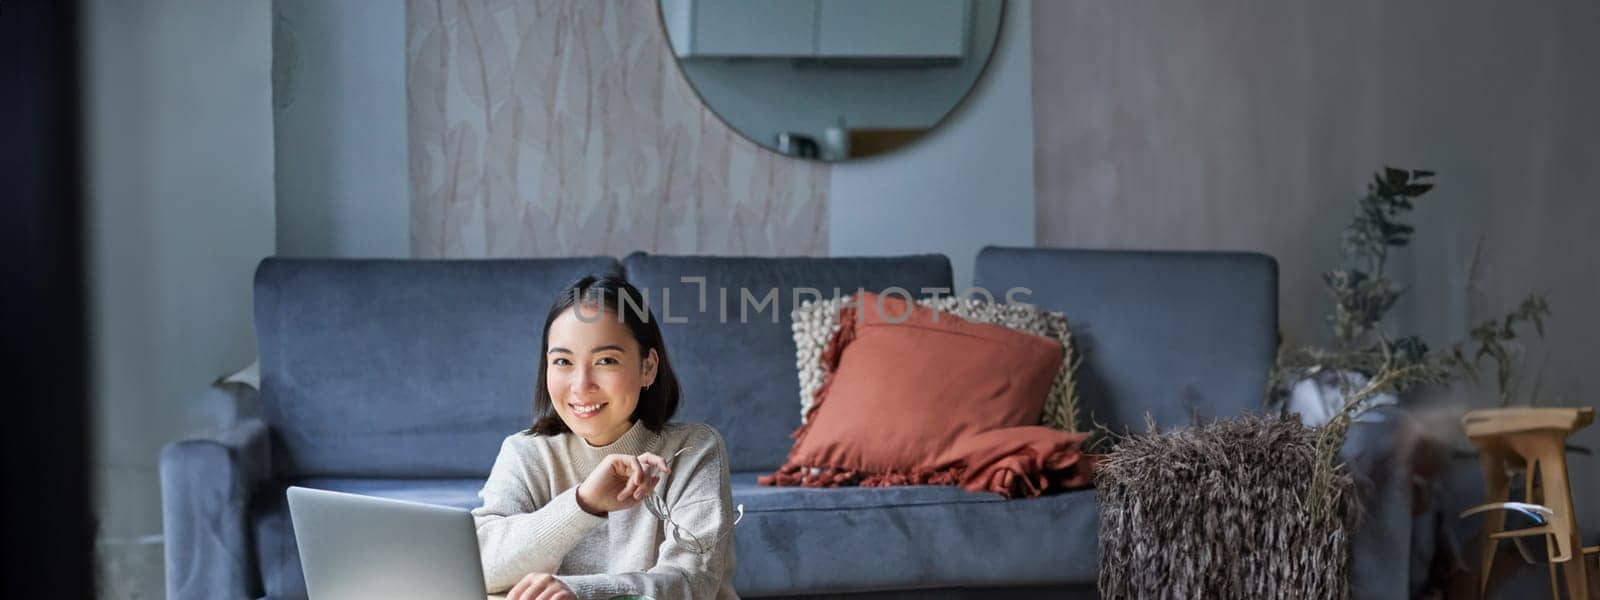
{"points": [[909, 394], [815, 321]]}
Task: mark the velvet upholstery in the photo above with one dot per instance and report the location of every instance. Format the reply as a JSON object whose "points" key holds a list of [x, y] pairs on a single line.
{"points": [[402, 368], [741, 377], [861, 539], [206, 484], [1178, 335], [1026, 592], [795, 540]]}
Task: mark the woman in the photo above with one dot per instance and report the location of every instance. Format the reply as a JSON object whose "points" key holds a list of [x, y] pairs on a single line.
{"points": [[602, 496]]}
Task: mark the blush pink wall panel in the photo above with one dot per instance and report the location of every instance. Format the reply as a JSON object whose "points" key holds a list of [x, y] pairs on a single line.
{"points": [[564, 127]]}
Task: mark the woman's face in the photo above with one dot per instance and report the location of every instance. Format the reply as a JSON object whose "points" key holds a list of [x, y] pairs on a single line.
{"points": [[594, 373]]}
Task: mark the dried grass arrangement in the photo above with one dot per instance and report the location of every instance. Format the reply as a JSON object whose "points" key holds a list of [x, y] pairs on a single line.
{"points": [[1219, 511]]}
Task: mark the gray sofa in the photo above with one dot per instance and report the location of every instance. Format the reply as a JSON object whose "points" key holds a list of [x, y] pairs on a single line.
{"points": [[399, 378]]}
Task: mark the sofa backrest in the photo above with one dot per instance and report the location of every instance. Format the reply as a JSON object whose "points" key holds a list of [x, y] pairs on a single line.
{"points": [[1176, 334], [741, 377], [412, 368]]}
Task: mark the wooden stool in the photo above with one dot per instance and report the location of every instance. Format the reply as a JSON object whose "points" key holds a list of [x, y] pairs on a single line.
{"points": [[1534, 440]]}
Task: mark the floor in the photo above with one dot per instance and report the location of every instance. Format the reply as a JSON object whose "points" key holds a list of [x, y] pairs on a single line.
{"points": [[130, 569]]}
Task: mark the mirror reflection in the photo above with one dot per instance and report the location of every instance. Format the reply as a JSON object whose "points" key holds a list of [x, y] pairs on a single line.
{"points": [[832, 79]]}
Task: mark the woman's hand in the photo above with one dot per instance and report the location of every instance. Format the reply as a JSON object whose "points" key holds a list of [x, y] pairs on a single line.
{"points": [[540, 586], [620, 482]]}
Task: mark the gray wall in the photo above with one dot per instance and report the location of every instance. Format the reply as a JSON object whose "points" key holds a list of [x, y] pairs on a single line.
{"points": [[1254, 125], [339, 99], [966, 185], [178, 143]]}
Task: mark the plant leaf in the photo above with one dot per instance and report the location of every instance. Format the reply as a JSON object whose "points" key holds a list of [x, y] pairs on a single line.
{"points": [[1395, 177]]}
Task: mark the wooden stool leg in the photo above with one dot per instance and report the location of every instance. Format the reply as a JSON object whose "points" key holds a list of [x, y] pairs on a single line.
{"points": [[1556, 494], [1495, 485]]}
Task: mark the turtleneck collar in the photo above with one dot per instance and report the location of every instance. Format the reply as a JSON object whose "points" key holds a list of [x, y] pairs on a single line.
{"points": [[637, 440]]}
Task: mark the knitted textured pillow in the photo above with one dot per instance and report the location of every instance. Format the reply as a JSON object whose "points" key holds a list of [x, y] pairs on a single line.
{"points": [[816, 321]]}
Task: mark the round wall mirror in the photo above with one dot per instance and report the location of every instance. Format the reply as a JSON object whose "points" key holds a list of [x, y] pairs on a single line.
{"points": [[832, 79]]}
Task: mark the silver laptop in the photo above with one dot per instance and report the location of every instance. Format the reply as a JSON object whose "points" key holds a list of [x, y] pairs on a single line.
{"points": [[354, 546]]}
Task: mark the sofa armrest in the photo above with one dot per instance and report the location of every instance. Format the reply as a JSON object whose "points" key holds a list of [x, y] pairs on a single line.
{"points": [[1378, 453], [206, 485]]}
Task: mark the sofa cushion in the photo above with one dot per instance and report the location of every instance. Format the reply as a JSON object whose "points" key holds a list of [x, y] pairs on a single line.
{"points": [[798, 540], [1176, 334], [740, 377], [802, 540], [403, 368]]}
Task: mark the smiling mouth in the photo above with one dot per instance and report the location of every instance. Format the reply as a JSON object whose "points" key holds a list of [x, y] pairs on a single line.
{"points": [[584, 411]]}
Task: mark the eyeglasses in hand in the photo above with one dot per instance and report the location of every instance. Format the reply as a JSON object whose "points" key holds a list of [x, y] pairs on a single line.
{"points": [[656, 503]]}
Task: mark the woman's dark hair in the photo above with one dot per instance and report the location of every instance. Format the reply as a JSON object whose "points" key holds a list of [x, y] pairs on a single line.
{"points": [[618, 299]]}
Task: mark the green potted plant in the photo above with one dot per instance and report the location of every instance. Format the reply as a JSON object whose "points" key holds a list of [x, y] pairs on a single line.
{"points": [[1330, 388], [1368, 366]]}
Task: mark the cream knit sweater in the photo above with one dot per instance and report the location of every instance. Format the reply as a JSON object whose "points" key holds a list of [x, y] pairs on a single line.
{"points": [[530, 521]]}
